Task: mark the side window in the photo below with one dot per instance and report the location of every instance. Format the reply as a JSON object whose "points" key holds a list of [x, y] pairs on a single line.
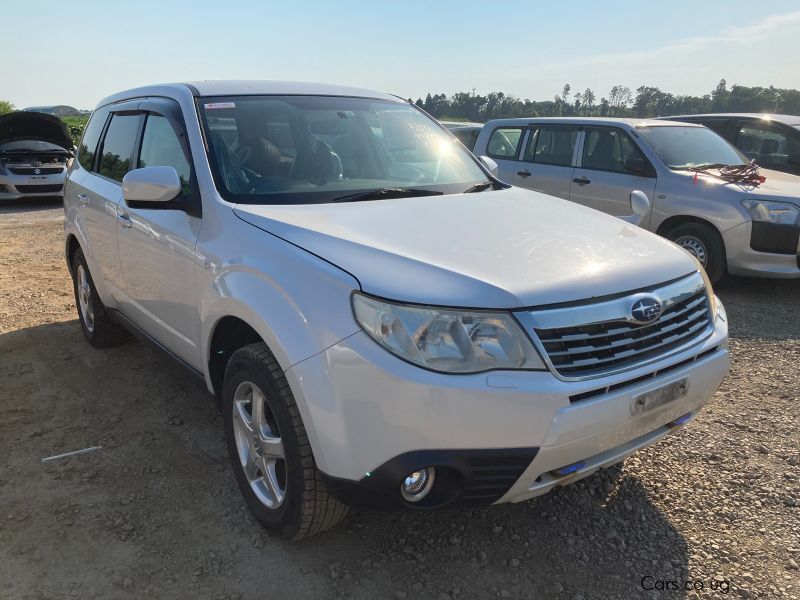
{"points": [[91, 136], [608, 149], [504, 142], [718, 125], [118, 143], [768, 145], [552, 145], [162, 148]]}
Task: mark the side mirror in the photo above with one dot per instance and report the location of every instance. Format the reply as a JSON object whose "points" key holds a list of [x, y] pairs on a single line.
{"points": [[635, 164], [490, 165], [640, 205], [151, 184]]}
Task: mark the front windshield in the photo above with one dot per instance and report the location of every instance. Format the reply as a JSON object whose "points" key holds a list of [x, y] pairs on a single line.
{"points": [[315, 149], [30, 146], [690, 147]]}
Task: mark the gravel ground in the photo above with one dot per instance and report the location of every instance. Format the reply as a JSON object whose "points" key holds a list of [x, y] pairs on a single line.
{"points": [[155, 512]]}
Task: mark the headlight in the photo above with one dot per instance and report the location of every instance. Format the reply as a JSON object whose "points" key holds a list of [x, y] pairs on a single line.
{"points": [[782, 213], [712, 297], [447, 340]]}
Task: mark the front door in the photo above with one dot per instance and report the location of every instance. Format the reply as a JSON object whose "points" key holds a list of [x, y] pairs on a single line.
{"points": [[611, 167], [157, 244]]}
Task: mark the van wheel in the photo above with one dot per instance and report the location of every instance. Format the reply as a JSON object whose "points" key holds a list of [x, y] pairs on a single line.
{"points": [[705, 244], [98, 329], [270, 451]]}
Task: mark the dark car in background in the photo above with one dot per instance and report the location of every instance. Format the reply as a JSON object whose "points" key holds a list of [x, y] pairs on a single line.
{"points": [[773, 141], [35, 150], [467, 133]]}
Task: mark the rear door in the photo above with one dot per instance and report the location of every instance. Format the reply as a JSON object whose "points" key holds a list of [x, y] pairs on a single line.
{"points": [[157, 243], [548, 159], [100, 191], [611, 167], [503, 147]]}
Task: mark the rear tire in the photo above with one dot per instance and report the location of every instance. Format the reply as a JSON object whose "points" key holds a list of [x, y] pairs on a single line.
{"points": [[98, 329], [705, 244], [269, 449]]}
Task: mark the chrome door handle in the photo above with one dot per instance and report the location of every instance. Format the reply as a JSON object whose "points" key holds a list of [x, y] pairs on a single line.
{"points": [[124, 220], [524, 173], [83, 199]]}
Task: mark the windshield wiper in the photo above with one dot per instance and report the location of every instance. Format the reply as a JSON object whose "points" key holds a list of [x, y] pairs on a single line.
{"points": [[479, 187], [384, 193]]}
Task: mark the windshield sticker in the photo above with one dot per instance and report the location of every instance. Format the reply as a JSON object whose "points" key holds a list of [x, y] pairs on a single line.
{"points": [[218, 105]]}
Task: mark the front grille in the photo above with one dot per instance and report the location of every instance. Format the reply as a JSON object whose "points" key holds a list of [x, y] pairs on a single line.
{"points": [[596, 349], [38, 189], [32, 170]]}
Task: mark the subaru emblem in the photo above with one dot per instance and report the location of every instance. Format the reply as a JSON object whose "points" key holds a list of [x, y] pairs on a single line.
{"points": [[646, 310]]}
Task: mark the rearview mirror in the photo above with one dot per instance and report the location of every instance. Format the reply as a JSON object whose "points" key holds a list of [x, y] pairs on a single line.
{"points": [[635, 164], [490, 165], [151, 184]]}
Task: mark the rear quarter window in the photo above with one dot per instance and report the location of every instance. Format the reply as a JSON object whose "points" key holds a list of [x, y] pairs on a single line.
{"points": [[91, 136], [504, 142]]}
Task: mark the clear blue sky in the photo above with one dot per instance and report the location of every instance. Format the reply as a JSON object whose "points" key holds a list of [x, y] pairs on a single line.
{"points": [[83, 50]]}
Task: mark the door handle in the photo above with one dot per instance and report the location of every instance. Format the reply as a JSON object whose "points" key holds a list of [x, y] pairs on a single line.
{"points": [[83, 199], [582, 180], [124, 220], [524, 173]]}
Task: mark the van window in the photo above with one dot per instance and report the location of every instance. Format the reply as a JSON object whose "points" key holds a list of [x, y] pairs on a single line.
{"points": [[504, 142], [607, 149], [552, 145], [162, 148], [769, 146], [115, 160], [91, 135]]}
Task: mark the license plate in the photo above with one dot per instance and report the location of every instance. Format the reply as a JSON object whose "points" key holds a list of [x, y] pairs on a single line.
{"points": [[37, 178], [659, 396]]}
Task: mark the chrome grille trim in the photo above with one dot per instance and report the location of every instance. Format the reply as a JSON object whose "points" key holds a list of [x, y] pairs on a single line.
{"points": [[596, 339]]}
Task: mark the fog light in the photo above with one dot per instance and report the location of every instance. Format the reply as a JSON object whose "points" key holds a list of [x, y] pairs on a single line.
{"points": [[418, 484]]}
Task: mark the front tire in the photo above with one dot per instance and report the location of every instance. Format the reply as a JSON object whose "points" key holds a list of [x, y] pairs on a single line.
{"points": [[705, 244], [270, 451]]}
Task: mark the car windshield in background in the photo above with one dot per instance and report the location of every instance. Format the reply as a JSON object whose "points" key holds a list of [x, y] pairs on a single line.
{"points": [[690, 147], [316, 149]]}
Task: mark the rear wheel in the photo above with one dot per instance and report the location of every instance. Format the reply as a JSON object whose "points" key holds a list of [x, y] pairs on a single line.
{"points": [[705, 244], [98, 329], [270, 451]]}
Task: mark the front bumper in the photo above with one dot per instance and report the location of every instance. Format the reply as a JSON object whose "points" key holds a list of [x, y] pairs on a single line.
{"points": [[746, 243], [14, 187], [372, 417]]}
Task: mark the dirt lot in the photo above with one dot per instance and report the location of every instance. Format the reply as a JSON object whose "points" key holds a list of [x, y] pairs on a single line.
{"points": [[156, 514]]}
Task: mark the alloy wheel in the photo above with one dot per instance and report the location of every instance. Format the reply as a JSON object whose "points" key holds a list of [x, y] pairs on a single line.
{"points": [[85, 303]]}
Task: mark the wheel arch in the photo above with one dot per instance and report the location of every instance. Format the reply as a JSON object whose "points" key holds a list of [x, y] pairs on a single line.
{"points": [[71, 246], [674, 221]]}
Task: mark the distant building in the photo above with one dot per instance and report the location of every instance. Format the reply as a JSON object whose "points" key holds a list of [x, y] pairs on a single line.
{"points": [[59, 110]]}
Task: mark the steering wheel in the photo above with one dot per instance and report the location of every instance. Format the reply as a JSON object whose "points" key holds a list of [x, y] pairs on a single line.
{"points": [[230, 167]]}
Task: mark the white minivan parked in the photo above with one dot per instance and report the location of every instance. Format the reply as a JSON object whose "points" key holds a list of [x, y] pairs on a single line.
{"points": [[742, 228], [383, 322]]}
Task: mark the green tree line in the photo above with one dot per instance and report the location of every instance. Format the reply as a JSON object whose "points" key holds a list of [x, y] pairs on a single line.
{"points": [[620, 101]]}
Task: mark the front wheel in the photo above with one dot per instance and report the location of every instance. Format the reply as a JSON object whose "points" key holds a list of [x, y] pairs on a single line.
{"points": [[705, 244], [270, 451]]}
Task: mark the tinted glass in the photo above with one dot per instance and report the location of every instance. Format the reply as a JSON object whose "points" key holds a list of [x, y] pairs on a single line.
{"points": [[91, 135], [162, 148], [118, 146], [552, 145], [504, 142], [312, 149], [687, 147], [607, 150], [769, 146]]}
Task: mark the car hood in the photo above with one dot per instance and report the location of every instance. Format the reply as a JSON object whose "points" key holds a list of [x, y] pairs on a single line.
{"points": [[22, 125], [510, 248], [777, 185]]}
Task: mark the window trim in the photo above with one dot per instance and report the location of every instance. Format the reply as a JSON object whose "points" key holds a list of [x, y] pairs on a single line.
{"points": [[515, 155], [649, 170]]}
